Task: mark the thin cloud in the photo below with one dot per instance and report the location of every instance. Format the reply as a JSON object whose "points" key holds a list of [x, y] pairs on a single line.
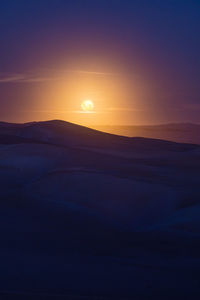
{"points": [[123, 109], [62, 111], [78, 71], [22, 78], [93, 72], [105, 111], [38, 79], [82, 112], [12, 78], [46, 111], [35, 78]]}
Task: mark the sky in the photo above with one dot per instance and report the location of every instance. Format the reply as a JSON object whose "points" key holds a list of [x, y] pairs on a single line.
{"points": [[137, 60]]}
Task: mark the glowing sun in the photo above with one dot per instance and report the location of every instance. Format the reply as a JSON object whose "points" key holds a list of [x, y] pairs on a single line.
{"points": [[87, 106]]}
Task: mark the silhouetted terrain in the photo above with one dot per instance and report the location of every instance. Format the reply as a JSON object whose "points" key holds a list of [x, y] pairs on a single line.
{"points": [[87, 214], [180, 132]]}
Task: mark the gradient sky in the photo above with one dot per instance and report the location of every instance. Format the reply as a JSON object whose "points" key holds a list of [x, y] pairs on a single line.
{"points": [[138, 60]]}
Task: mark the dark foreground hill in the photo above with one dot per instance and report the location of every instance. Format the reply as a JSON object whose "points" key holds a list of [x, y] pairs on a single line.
{"points": [[90, 215]]}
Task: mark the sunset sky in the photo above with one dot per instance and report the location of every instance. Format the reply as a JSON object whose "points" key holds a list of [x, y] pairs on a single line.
{"points": [[137, 60]]}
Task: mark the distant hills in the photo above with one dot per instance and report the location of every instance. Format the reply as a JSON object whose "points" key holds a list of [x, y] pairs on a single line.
{"points": [[177, 132]]}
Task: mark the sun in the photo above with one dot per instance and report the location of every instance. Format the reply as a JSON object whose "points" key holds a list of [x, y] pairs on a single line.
{"points": [[87, 106]]}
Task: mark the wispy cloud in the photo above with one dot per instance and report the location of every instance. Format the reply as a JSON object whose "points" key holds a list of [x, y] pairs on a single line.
{"points": [[23, 78], [37, 78], [63, 111], [83, 112], [93, 72], [12, 78], [105, 111], [78, 71], [46, 111], [122, 109]]}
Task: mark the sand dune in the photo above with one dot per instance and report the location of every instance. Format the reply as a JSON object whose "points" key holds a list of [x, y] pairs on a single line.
{"points": [[76, 199]]}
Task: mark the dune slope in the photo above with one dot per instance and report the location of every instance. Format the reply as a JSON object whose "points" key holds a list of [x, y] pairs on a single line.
{"points": [[87, 214]]}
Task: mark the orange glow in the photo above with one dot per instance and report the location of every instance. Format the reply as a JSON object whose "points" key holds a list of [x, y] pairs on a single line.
{"points": [[115, 97]]}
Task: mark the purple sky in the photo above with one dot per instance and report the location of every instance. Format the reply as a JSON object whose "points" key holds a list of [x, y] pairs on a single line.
{"points": [[139, 59]]}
